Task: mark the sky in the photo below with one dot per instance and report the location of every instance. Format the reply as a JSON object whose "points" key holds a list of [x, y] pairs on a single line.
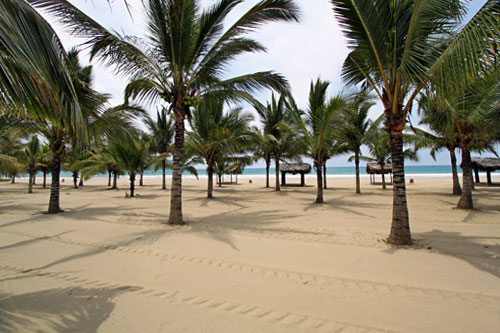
{"points": [[314, 48]]}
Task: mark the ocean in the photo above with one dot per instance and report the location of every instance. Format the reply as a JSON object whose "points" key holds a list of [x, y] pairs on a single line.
{"points": [[341, 172]]}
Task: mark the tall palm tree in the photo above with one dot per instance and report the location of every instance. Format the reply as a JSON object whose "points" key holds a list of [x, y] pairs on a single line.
{"points": [[354, 124], [439, 118], [215, 133], [187, 53], [316, 127], [275, 118], [398, 47], [162, 134], [471, 111], [36, 82]]}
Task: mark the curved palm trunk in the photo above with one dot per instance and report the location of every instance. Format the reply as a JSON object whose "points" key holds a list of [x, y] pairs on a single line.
{"points": [[115, 178], [356, 162], [75, 179], [175, 217], [132, 184], [44, 178], [319, 182], [324, 175], [210, 172], [400, 229], [141, 179], [465, 201], [55, 170], [457, 190], [277, 171], [163, 177], [268, 166]]}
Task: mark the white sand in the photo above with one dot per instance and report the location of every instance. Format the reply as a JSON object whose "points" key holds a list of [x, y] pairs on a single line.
{"points": [[250, 260]]}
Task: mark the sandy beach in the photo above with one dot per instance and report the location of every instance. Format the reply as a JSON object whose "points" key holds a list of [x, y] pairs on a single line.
{"points": [[250, 260]]}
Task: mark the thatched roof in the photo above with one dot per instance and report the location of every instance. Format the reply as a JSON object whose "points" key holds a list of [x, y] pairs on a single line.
{"points": [[235, 171], [486, 164], [372, 168], [295, 168]]}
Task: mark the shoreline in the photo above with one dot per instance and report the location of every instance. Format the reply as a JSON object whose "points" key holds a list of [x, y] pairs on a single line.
{"points": [[249, 260]]}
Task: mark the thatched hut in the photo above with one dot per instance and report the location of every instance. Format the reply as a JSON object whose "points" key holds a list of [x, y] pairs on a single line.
{"points": [[487, 164], [295, 168], [375, 169], [235, 171]]}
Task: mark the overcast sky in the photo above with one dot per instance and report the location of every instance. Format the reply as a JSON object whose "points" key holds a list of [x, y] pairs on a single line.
{"points": [[302, 52]]}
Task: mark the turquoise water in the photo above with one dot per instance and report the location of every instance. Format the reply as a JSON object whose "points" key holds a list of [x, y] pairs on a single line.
{"points": [[331, 171]]}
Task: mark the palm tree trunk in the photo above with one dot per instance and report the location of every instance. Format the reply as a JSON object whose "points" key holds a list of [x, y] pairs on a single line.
{"points": [[356, 162], [400, 229], [220, 179], [382, 166], [75, 179], [277, 171], [268, 165], [132, 184], [44, 178], [13, 181], [109, 178], [164, 180], [81, 181], [30, 181], [465, 201], [55, 170], [141, 179], [457, 190], [34, 177], [319, 182], [175, 217], [115, 178], [324, 175], [210, 171]]}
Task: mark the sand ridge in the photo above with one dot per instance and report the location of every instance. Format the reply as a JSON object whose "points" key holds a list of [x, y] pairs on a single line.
{"points": [[249, 260]]}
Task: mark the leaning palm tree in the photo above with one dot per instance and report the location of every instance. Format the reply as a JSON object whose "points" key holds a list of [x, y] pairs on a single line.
{"points": [[316, 127], [215, 132], [187, 53], [354, 124], [398, 47], [36, 83], [162, 132]]}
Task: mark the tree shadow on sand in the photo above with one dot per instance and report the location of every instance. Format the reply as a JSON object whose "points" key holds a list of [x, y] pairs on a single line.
{"points": [[480, 252], [72, 309]]}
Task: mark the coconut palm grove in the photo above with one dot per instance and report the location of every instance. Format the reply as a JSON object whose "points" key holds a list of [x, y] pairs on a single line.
{"points": [[419, 78]]}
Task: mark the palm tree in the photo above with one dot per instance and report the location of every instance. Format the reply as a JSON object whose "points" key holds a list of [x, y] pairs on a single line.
{"points": [[398, 47], [36, 83], [263, 149], [187, 52], [439, 118], [316, 127], [275, 118], [472, 111], [162, 135], [215, 133], [44, 162], [354, 125]]}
